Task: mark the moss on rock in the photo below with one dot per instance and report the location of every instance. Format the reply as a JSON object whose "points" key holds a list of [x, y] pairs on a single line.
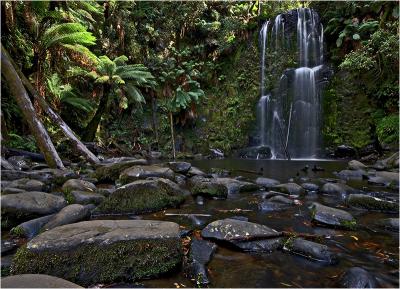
{"points": [[88, 264]]}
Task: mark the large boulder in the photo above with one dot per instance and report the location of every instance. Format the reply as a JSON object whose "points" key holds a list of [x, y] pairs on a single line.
{"points": [[337, 189], [331, 216], [179, 167], [69, 214], [351, 174], [36, 281], [372, 203], [357, 277], [356, 165], [235, 186], [31, 204], [244, 235], [266, 182], [142, 172], [27, 185], [102, 251], [311, 250], [142, 196], [112, 168], [78, 185]]}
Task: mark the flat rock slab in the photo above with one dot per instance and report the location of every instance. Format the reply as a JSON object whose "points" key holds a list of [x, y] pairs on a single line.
{"points": [[331, 216], [142, 196], [142, 172], [238, 232], [111, 170], [372, 203], [310, 250], [102, 251], [36, 281], [31, 203]]}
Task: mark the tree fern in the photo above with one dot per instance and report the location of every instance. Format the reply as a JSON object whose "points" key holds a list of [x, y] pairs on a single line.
{"points": [[67, 33]]}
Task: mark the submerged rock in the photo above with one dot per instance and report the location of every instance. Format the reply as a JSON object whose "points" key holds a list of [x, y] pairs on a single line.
{"points": [[331, 216], [31, 203], [357, 277], [311, 250], [102, 251], [391, 224], [372, 203], [201, 252], [78, 185], [142, 172], [31, 228], [142, 196], [244, 235], [110, 170], [36, 281], [289, 188], [266, 182]]}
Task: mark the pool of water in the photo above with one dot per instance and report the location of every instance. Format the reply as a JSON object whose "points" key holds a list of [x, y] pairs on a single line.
{"points": [[372, 249]]}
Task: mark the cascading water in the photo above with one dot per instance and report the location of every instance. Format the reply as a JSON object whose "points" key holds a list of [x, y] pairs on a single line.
{"points": [[289, 114]]}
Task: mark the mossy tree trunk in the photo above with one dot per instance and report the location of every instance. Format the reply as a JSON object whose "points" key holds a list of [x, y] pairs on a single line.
{"points": [[56, 119], [38, 130], [91, 128]]}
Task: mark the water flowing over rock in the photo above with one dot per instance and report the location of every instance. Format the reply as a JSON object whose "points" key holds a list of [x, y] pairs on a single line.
{"points": [[289, 115]]}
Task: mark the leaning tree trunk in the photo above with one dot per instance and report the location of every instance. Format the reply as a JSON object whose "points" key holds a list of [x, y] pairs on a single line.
{"points": [[76, 143], [21, 96], [91, 128]]}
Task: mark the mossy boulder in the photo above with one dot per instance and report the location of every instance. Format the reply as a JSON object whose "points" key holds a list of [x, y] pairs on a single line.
{"points": [[78, 185], [110, 171], [142, 196], [102, 251], [203, 186], [235, 186], [372, 203], [142, 172], [331, 216]]}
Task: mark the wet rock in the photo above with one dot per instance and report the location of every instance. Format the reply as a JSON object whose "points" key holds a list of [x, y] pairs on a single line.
{"points": [[344, 151], [332, 216], [7, 246], [391, 162], [389, 177], [357, 277], [36, 281], [244, 235], [220, 173], [195, 172], [311, 250], [200, 255], [69, 214], [204, 186], [372, 203], [31, 203], [351, 174], [7, 191], [142, 196], [39, 167], [235, 186], [105, 191], [266, 182], [200, 200], [356, 165], [337, 189], [6, 165], [289, 188], [111, 169], [179, 167], [268, 206], [180, 179], [85, 198], [103, 251], [55, 176], [20, 162], [31, 228], [310, 187], [27, 185], [281, 199], [143, 172], [391, 224], [240, 218]]}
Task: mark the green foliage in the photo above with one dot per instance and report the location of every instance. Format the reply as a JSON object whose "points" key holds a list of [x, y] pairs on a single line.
{"points": [[388, 129], [21, 142]]}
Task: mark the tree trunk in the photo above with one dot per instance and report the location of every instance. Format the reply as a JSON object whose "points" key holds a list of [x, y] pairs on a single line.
{"points": [[172, 134], [154, 118], [91, 128], [57, 120], [21, 96]]}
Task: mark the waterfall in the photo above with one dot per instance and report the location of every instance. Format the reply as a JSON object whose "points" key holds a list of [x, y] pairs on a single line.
{"points": [[296, 94]]}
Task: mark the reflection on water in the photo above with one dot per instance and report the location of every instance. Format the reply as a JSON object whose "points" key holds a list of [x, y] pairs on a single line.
{"points": [[375, 251]]}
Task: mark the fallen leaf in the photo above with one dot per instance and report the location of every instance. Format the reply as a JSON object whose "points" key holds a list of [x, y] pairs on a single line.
{"points": [[354, 237], [285, 284]]}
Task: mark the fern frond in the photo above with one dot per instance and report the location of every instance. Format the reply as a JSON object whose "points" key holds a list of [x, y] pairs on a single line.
{"points": [[82, 50]]}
